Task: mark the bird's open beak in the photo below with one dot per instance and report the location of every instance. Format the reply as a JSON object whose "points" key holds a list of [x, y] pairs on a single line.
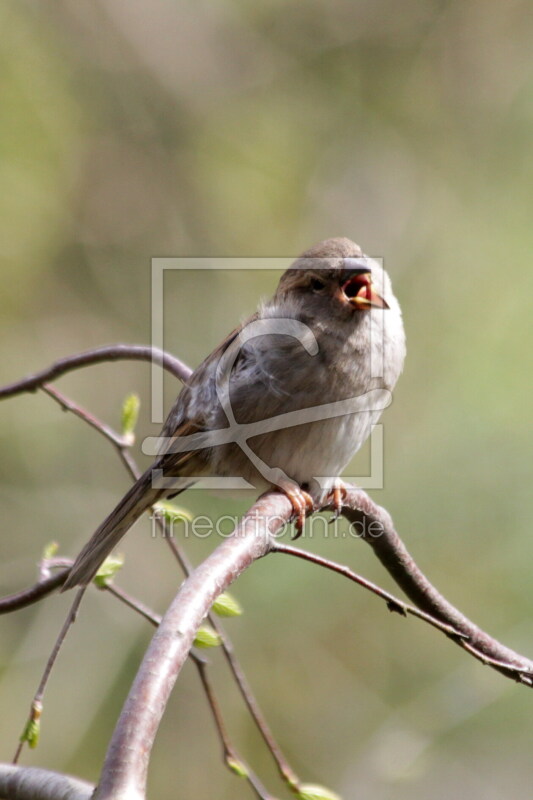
{"points": [[359, 292]]}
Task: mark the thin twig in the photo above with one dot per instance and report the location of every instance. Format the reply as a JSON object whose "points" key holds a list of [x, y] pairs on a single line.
{"points": [[284, 768], [231, 758], [117, 352], [374, 525], [36, 706], [69, 405], [124, 772], [393, 603], [174, 636], [227, 748], [133, 603], [510, 670], [122, 445]]}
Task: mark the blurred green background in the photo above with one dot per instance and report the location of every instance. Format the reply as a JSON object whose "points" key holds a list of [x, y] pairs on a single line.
{"points": [[133, 130]]}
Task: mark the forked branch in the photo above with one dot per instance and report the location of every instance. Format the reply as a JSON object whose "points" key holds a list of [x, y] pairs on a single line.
{"points": [[125, 769]]}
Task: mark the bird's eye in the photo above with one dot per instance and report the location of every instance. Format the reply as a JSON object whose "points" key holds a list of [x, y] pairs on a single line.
{"points": [[317, 285]]}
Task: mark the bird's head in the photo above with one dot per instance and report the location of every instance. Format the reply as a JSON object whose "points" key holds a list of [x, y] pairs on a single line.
{"points": [[335, 275]]}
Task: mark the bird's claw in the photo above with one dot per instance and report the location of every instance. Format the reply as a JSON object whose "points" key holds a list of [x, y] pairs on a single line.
{"points": [[302, 504], [336, 497]]}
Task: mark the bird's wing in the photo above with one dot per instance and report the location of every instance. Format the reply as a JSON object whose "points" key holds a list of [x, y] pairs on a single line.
{"points": [[180, 421], [144, 492]]}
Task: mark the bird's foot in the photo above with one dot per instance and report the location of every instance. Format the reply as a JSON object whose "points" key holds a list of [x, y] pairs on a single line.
{"points": [[336, 497], [302, 504]]}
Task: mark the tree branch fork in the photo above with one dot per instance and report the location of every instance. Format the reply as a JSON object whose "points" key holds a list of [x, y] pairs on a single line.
{"points": [[125, 768]]}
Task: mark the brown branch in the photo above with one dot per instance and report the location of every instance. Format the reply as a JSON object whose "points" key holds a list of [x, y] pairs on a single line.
{"points": [[284, 768], [124, 773], [231, 758], [122, 444], [117, 352], [69, 405], [361, 511], [32, 783], [26, 597], [132, 602], [374, 524], [126, 764], [393, 603], [37, 705]]}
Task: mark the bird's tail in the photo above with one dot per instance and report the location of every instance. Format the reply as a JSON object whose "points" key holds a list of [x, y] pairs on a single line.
{"points": [[139, 498]]}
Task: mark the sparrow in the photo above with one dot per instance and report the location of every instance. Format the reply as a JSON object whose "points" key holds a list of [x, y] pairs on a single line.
{"points": [[285, 400]]}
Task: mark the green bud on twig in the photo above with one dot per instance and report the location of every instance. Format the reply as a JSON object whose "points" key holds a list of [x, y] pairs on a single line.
{"points": [[50, 550], [32, 729], [237, 767], [172, 513], [311, 791], [226, 606], [206, 636], [130, 414], [108, 570]]}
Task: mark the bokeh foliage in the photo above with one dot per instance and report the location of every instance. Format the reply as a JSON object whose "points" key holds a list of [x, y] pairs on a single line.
{"points": [[132, 130]]}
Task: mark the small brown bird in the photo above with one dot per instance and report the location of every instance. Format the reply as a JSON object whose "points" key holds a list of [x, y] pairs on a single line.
{"points": [[285, 400]]}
